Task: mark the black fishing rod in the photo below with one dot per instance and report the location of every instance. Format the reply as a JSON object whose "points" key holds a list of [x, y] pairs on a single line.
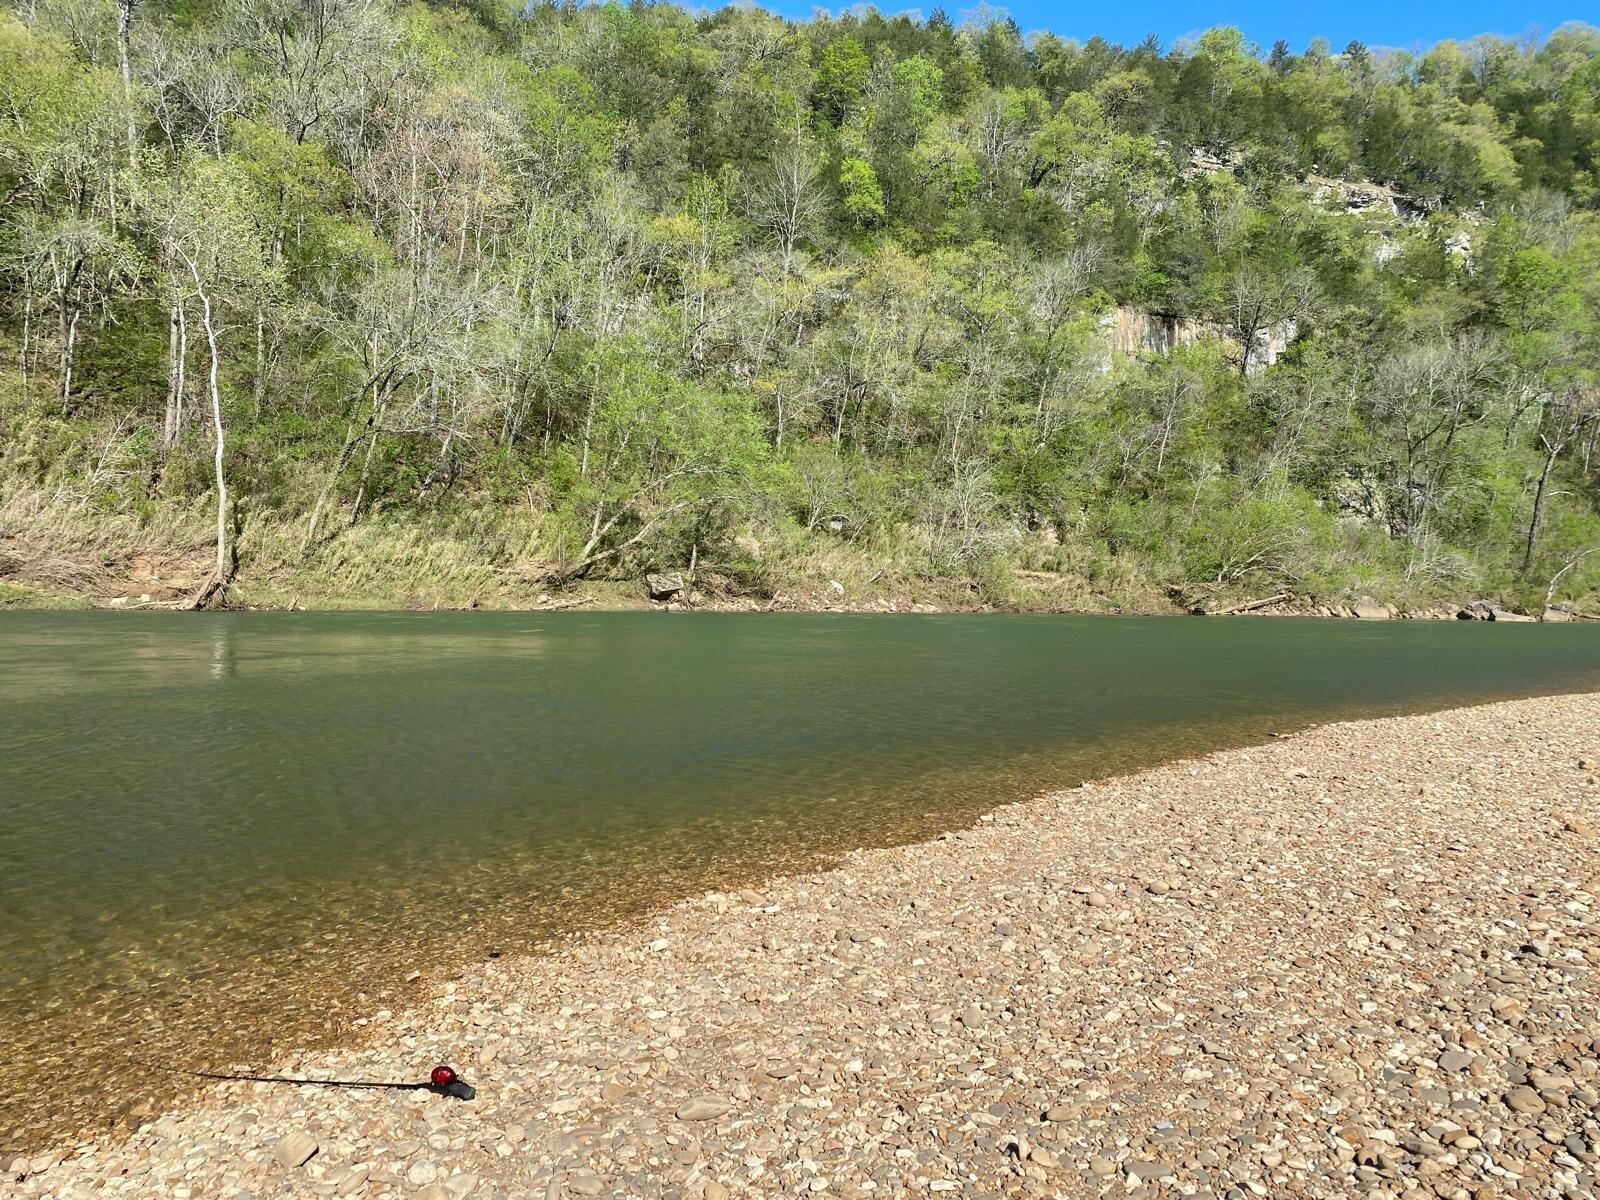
{"points": [[441, 1081]]}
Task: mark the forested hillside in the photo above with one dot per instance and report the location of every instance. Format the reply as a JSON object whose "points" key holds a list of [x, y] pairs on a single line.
{"points": [[477, 304]]}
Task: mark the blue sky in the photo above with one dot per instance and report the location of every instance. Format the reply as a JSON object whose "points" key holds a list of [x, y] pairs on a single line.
{"points": [[1376, 22]]}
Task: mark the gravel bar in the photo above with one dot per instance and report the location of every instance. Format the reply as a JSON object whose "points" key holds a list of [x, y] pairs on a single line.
{"points": [[1355, 961]]}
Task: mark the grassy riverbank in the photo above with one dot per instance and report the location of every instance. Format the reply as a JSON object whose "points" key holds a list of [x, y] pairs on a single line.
{"points": [[65, 558], [1357, 958]]}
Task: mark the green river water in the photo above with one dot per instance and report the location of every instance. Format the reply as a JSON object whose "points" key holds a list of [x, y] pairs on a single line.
{"points": [[208, 820]]}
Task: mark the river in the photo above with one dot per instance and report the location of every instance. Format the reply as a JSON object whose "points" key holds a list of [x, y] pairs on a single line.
{"points": [[222, 834]]}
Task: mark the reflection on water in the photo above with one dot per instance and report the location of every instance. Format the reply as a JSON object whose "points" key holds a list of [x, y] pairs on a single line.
{"points": [[208, 817]]}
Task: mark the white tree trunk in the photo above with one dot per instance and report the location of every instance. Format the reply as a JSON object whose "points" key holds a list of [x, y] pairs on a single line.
{"points": [[124, 35], [177, 354], [216, 420]]}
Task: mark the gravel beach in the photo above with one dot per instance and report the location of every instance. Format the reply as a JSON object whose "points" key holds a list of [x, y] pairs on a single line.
{"points": [[1356, 961]]}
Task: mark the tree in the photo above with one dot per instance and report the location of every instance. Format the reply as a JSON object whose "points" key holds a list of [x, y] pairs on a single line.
{"points": [[204, 221], [790, 200], [1564, 423], [1259, 304], [841, 76], [576, 289], [861, 196]]}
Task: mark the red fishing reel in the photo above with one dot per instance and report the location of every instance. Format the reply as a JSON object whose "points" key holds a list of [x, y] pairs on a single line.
{"points": [[446, 1082]]}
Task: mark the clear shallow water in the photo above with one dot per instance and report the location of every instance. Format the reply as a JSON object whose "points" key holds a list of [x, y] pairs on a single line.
{"points": [[207, 819]]}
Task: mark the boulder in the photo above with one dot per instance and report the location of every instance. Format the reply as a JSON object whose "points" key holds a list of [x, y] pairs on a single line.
{"points": [[663, 587], [1482, 610], [1369, 609]]}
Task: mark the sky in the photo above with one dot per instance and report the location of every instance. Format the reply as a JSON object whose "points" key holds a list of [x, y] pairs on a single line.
{"points": [[1405, 24]]}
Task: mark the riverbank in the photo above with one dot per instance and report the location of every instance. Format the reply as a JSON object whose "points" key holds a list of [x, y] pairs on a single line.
{"points": [[163, 558], [422, 575], [1355, 959]]}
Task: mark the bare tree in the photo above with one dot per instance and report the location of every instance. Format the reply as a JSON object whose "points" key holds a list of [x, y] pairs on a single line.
{"points": [[125, 11], [1555, 580], [1259, 302], [790, 199], [1425, 398], [215, 362], [1056, 290], [1565, 422]]}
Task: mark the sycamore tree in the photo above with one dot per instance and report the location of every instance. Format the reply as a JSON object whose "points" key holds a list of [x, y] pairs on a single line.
{"points": [[203, 221]]}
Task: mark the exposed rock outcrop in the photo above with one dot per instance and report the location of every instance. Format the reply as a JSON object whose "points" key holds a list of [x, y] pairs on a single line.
{"points": [[1483, 610], [664, 586], [1369, 609], [1356, 196], [1135, 331]]}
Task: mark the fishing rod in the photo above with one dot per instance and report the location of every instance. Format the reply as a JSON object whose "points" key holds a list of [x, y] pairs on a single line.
{"points": [[441, 1081]]}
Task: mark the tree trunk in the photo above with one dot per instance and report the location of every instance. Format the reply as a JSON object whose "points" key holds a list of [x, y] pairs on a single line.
{"points": [[27, 336], [177, 352], [1552, 449], [1550, 592], [258, 385], [69, 357], [588, 425], [124, 32], [366, 463], [223, 572]]}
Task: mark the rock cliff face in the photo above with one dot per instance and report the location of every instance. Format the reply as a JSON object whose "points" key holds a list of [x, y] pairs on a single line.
{"points": [[1131, 332], [1362, 195], [1270, 344]]}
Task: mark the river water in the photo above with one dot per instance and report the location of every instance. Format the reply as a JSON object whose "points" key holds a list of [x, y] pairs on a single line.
{"points": [[225, 833]]}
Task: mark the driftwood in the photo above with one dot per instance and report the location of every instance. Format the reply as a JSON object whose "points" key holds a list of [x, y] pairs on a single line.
{"points": [[210, 594], [1251, 606], [557, 605]]}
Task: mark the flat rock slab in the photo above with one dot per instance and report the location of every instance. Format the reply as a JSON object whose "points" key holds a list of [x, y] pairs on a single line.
{"points": [[294, 1149], [703, 1108]]}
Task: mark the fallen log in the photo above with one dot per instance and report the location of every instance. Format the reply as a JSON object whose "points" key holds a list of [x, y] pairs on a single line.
{"points": [[210, 593], [558, 605], [1251, 606]]}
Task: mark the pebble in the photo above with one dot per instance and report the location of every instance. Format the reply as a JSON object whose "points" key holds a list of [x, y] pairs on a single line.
{"points": [[294, 1149], [1524, 1100], [702, 1108], [421, 1173]]}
